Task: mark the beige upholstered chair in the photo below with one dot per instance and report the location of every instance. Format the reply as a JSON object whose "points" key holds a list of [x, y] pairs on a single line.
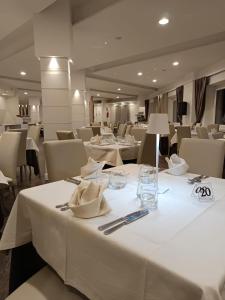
{"points": [[45, 285], [96, 130], [9, 152], [64, 158], [122, 130], [65, 135], [138, 133], [182, 132], [34, 133], [202, 133], [85, 134], [203, 156], [171, 132], [128, 130], [147, 151], [210, 127]]}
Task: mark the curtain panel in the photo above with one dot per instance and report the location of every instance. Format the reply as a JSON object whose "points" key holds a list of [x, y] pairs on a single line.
{"points": [[163, 105], [91, 110], [146, 109], [200, 96], [179, 98]]}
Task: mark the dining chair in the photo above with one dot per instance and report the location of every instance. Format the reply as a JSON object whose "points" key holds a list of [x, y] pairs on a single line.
{"points": [[9, 153], [171, 132], [22, 158], [34, 133], [122, 130], [202, 132], [182, 132], [138, 133], [96, 130], [203, 156], [147, 150], [85, 134], [213, 127], [65, 135], [64, 158], [45, 285], [128, 130]]}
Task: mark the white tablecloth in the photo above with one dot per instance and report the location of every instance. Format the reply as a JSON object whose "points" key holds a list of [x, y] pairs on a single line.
{"points": [[174, 253], [114, 154]]}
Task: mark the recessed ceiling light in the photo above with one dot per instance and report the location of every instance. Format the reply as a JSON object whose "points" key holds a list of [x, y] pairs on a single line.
{"points": [[164, 21], [176, 63], [23, 73], [4, 94], [119, 89], [139, 73], [98, 95], [106, 43], [154, 80], [117, 97], [25, 93]]}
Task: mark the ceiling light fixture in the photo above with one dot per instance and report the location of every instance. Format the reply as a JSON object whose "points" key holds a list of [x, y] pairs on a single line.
{"points": [[23, 73], [164, 21], [71, 61], [98, 95], [154, 80], [119, 89], [106, 43], [117, 97], [176, 63], [53, 64], [25, 93], [139, 73], [4, 94]]}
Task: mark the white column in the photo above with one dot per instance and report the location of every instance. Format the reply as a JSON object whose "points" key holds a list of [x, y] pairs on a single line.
{"points": [[80, 100], [34, 103]]}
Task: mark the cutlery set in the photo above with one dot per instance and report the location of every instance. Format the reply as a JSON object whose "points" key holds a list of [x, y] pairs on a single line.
{"points": [[197, 179]]}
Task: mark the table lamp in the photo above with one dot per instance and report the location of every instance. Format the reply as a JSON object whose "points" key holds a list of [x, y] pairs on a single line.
{"points": [[158, 124]]}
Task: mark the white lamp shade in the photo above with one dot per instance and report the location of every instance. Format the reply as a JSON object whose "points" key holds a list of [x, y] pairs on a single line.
{"points": [[158, 124]]}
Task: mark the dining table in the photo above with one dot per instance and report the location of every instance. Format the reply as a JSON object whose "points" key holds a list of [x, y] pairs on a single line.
{"points": [[113, 153], [176, 252]]}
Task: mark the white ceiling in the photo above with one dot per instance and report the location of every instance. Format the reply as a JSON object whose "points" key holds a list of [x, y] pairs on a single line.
{"points": [[195, 37]]}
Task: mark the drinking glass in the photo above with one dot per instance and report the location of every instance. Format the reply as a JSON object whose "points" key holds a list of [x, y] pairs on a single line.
{"points": [[149, 196], [117, 180]]}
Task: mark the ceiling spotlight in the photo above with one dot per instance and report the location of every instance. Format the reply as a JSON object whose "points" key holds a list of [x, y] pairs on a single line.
{"points": [[23, 73], [98, 95], [139, 73], [164, 21], [25, 93], [154, 80], [119, 89], [117, 97], [176, 63], [106, 43]]}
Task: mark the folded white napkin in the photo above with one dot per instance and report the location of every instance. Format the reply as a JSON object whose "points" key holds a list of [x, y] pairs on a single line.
{"points": [[88, 201], [176, 165], [96, 140], [91, 168], [3, 179]]}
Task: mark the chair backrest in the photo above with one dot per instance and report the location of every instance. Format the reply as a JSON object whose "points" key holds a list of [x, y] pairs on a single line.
{"points": [[147, 150], [182, 132], [34, 133], [65, 135], [122, 130], [203, 156], [22, 159], [9, 151], [202, 133], [64, 158], [138, 133], [96, 130], [85, 134], [105, 123], [128, 130], [171, 131], [210, 127]]}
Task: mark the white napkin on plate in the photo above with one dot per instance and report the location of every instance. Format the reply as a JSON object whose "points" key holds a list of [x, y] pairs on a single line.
{"points": [[176, 165], [88, 201], [96, 140], [3, 179], [91, 168]]}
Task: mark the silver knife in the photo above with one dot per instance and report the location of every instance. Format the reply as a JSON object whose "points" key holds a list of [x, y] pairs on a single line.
{"points": [[121, 219], [127, 221]]}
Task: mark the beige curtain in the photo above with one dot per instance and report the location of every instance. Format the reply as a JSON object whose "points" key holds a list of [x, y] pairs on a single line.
{"points": [[163, 103], [156, 104]]}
